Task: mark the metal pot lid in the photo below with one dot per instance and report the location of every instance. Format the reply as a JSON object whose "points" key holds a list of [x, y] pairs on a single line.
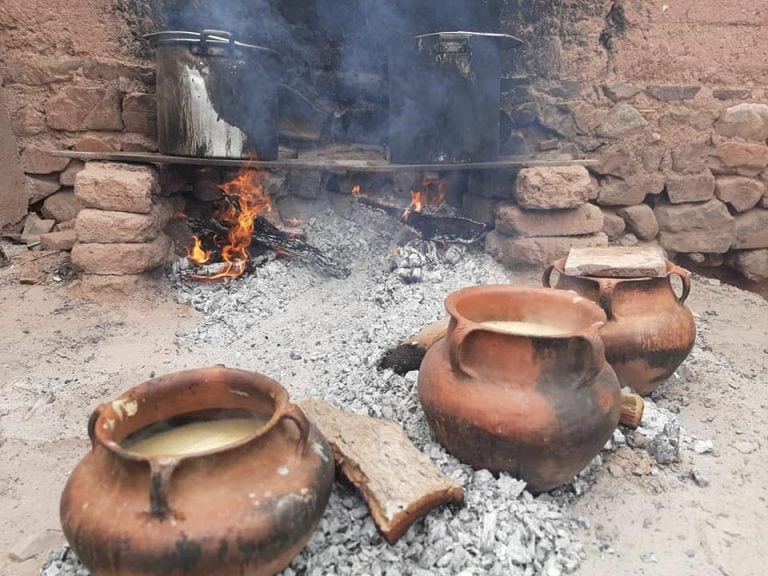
{"points": [[219, 39], [507, 40]]}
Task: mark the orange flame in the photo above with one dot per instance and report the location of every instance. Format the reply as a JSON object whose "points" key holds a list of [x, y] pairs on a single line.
{"points": [[197, 253], [247, 188], [432, 196], [356, 191]]}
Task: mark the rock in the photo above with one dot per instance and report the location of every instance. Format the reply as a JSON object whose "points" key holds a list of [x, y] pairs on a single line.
{"points": [[306, 183], [616, 262], [707, 260], [61, 206], [34, 226], [31, 272], [67, 177], [98, 143], [672, 92], [480, 208], [683, 188], [628, 240], [140, 114], [35, 161], [690, 158], [76, 108], [746, 446], [40, 187], [36, 545], [739, 192], [37, 71], [492, 183], [752, 158], [117, 187], [703, 446], [618, 160], [515, 221], [665, 446], [752, 264], [553, 188], [748, 121], [68, 225], [63, 240], [29, 121], [111, 69], [617, 192], [399, 482], [702, 119], [620, 91], [622, 119], [751, 230], [613, 224], [732, 93], [298, 208], [107, 227], [641, 221], [702, 227], [120, 259], [699, 478], [537, 251]]}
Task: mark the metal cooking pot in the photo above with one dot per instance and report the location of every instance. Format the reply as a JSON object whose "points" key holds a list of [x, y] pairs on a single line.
{"points": [[445, 96], [216, 97]]}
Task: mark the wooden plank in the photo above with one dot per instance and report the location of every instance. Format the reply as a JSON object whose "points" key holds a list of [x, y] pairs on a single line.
{"points": [[341, 165]]}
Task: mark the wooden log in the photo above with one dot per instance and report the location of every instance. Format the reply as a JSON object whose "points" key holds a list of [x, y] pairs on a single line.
{"points": [[399, 483], [407, 356]]}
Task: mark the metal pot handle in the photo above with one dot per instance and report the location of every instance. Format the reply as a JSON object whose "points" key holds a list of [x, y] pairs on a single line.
{"points": [[206, 35], [295, 415], [685, 278]]}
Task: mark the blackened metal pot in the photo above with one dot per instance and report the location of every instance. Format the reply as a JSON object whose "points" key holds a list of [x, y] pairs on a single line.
{"points": [[216, 97], [444, 97]]}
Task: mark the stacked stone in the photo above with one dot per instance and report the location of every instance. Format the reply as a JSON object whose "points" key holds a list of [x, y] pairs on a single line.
{"points": [[549, 214], [119, 229]]}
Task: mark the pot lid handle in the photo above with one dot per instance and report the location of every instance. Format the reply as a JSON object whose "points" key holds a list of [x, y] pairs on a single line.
{"points": [[506, 41]]}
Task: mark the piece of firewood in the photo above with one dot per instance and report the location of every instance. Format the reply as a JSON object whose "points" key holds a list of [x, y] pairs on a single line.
{"points": [[632, 407], [407, 356], [399, 483]]}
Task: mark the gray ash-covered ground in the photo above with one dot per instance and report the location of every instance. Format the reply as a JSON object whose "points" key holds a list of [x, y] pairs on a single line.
{"points": [[322, 338]]}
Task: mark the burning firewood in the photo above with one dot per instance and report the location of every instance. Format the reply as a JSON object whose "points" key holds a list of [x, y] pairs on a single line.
{"points": [[407, 356], [399, 483]]}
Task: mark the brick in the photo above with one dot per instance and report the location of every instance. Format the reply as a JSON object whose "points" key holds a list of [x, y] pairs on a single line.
{"points": [[36, 161], [633, 190], [111, 69], [140, 114], [76, 108], [63, 240], [67, 176], [683, 188], [751, 230], [108, 227], [97, 143], [641, 221], [537, 251], [28, 121], [117, 187], [691, 157], [121, 259], [705, 227], [553, 188], [753, 158], [40, 187], [36, 71], [739, 192], [61, 206], [748, 121], [512, 220]]}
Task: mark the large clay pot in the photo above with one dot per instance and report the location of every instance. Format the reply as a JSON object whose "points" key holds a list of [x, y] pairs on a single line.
{"points": [[649, 332], [246, 509], [539, 407]]}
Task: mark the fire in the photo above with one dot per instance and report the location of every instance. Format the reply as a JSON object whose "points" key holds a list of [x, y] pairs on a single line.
{"points": [[356, 191], [197, 253], [432, 195], [245, 200]]}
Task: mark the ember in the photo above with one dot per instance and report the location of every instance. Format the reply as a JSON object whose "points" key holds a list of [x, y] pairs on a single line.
{"points": [[431, 196]]}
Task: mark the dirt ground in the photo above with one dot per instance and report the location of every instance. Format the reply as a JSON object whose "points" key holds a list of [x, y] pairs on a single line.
{"points": [[62, 353]]}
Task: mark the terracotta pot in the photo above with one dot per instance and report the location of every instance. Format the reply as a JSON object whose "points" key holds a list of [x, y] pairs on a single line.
{"points": [[245, 509], [539, 407], [649, 332]]}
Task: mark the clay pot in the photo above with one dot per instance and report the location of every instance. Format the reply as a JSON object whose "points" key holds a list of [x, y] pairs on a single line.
{"points": [[246, 509], [539, 407], [649, 332]]}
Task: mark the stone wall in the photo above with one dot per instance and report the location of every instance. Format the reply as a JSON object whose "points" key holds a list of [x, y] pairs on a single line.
{"points": [[670, 100], [71, 79]]}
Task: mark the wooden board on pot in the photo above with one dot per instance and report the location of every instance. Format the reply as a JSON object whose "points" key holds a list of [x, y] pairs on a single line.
{"points": [[617, 262]]}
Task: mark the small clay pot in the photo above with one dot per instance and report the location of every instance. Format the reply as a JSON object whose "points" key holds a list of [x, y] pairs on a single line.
{"points": [[539, 407], [243, 510], [649, 332]]}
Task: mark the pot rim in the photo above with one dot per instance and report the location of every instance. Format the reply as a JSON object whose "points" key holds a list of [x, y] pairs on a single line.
{"points": [[102, 421], [567, 296]]}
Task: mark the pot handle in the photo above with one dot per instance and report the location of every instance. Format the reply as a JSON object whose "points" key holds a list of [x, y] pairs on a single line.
{"points": [[92, 424], [205, 37], [606, 289], [161, 471], [592, 337], [546, 279], [685, 278], [456, 337], [295, 415]]}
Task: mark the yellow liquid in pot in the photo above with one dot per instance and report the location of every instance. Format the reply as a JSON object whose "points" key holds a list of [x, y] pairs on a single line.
{"points": [[195, 437], [526, 328]]}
